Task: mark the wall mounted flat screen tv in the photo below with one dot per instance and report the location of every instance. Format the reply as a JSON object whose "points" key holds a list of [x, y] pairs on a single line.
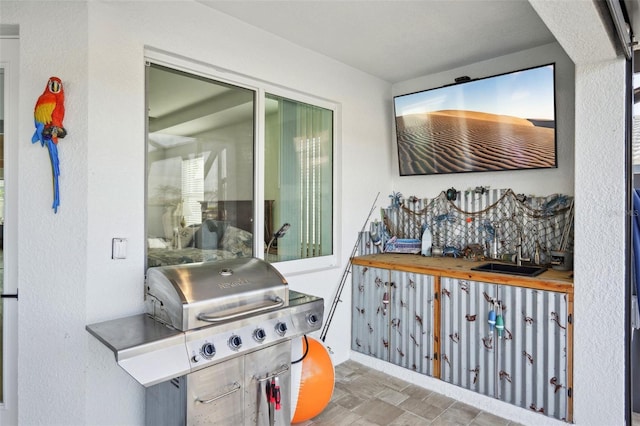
{"points": [[502, 122]]}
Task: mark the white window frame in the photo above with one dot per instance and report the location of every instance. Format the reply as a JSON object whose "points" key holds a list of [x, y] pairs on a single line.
{"points": [[261, 88]]}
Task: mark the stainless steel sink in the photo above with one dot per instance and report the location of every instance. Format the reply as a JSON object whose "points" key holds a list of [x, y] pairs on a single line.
{"points": [[505, 268]]}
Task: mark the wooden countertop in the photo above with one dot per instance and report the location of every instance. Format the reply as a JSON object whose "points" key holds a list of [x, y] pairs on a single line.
{"points": [[460, 268]]}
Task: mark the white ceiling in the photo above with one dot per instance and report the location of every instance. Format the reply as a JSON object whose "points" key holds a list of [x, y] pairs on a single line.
{"points": [[398, 40]]}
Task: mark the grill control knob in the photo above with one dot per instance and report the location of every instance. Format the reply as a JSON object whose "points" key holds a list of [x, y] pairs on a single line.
{"points": [[312, 319], [208, 351], [281, 328], [235, 342], [195, 358], [259, 335]]}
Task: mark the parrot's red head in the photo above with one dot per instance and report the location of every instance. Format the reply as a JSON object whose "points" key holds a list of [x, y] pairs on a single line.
{"points": [[54, 85], [49, 111]]}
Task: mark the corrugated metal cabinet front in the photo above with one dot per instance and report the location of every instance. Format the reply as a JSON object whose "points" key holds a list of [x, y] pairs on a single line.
{"points": [[393, 317], [438, 326], [527, 364]]}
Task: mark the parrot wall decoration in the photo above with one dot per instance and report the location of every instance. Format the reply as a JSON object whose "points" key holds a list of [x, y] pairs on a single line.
{"points": [[48, 117]]}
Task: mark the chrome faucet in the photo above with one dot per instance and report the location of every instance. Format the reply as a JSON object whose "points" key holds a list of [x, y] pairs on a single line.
{"points": [[519, 257], [493, 251]]}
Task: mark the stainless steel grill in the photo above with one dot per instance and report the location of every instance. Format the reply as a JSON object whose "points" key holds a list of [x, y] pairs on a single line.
{"points": [[216, 337]]}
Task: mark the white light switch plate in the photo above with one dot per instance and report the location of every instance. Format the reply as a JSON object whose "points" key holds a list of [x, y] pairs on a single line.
{"points": [[119, 248]]}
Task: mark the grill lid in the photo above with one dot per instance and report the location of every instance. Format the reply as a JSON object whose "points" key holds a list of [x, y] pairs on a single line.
{"points": [[199, 294]]}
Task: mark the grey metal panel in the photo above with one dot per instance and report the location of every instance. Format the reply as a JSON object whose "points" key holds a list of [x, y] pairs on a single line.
{"points": [[221, 383], [176, 402], [527, 366], [533, 364], [274, 361], [166, 403], [467, 346], [411, 316], [370, 316], [365, 246]]}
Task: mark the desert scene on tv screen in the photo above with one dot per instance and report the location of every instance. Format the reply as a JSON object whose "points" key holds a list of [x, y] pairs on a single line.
{"points": [[453, 141], [503, 122]]}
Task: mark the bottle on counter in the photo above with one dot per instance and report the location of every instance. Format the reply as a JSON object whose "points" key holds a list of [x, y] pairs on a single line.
{"points": [[426, 241]]}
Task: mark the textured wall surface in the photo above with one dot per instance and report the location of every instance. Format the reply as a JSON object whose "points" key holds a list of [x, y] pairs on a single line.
{"points": [[600, 212], [599, 258], [52, 248]]}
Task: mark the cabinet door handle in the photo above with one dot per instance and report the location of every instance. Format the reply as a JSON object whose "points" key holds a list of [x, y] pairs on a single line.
{"points": [[283, 369], [236, 387]]}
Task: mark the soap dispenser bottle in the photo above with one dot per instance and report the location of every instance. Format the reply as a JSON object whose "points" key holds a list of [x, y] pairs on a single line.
{"points": [[426, 241], [536, 255]]}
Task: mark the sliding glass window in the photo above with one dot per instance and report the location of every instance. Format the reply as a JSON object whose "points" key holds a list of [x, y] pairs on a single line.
{"points": [[200, 168], [217, 189], [299, 177]]}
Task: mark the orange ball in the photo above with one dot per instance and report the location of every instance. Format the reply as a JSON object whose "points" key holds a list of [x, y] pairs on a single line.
{"points": [[312, 379]]}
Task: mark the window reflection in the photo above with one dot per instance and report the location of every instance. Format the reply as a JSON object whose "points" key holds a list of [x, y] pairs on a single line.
{"points": [[200, 166]]}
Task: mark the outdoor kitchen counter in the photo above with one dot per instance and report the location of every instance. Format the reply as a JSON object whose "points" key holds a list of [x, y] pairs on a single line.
{"points": [[551, 279], [430, 305]]}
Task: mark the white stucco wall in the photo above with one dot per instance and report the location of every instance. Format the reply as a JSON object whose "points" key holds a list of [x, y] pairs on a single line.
{"points": [[52, 248], [599, 367], [599, 341], [67, 278]]}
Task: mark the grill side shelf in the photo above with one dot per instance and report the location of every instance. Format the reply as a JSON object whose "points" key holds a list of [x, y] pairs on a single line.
{"points": [[149, 351]]}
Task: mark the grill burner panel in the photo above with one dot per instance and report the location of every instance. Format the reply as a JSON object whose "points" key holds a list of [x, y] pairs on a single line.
{"points": [[171, 341], [301, 317], [153, 352]]}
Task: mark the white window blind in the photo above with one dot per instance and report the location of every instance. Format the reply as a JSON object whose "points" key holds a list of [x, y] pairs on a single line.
{"points": [[305, 182], [192, 189]]}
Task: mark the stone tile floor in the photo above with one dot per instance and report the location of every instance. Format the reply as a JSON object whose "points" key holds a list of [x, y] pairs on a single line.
{"points": [[364, 396]]}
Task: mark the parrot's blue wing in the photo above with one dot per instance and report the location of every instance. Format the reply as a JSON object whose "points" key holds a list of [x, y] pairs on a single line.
{"points": [[55, 169], [37, 135]]}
